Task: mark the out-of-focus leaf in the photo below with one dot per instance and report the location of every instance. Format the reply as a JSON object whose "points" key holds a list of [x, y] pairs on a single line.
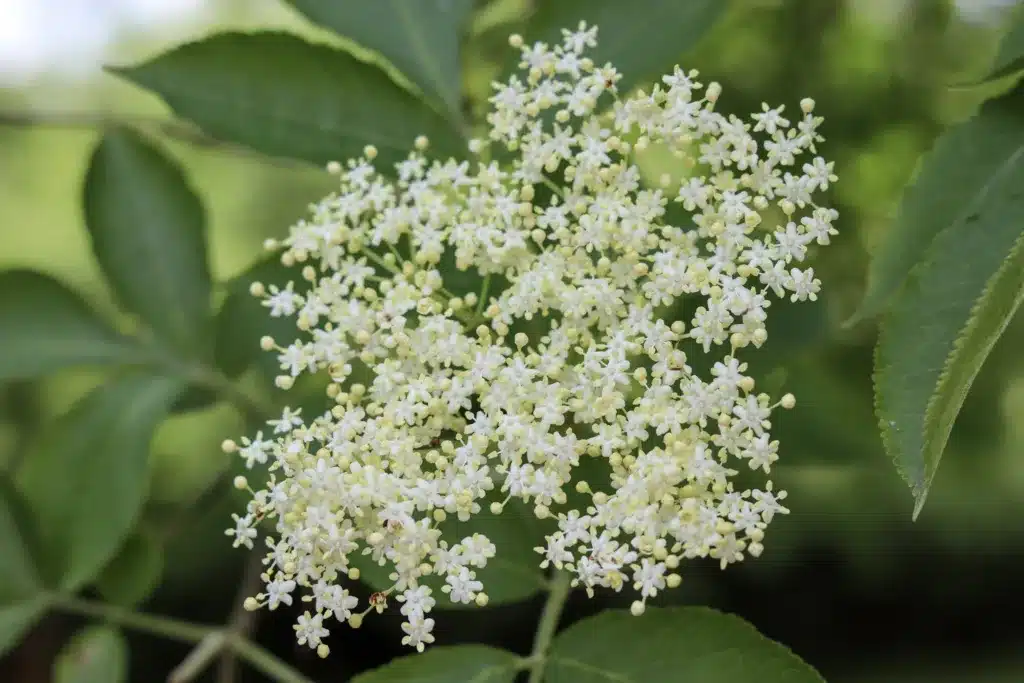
{"points": [[135, 571], [1010, 58], [283, 96], [671, 645], [642, 39], [96, 654], [148, 234], [955, 304], [455, 664], [243, 320], [87, 482], [21, 602], [420, 38], [954, 182], [514, 572], [44, 327]]}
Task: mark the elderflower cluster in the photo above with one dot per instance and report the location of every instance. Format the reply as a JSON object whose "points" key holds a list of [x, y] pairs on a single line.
{"points": [[448, 404]]}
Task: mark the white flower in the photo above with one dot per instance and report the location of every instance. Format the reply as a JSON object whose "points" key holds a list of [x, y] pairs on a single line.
{"points": [[448, 403], [243, 532], [309, 629], [418, 632], [279, 591]]}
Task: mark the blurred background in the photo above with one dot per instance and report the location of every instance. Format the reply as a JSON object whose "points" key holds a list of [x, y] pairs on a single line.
{"points": [[848, 581]]}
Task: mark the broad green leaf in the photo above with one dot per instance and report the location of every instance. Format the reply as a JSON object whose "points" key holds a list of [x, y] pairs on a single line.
{"points": [[642, 39], [938, 334], [148, 233], [954, 181], [671, 645], [21, 602], [421, 39], [96, 654], [44, 327], [514, 572], [243, 320], [283, 96], [135, 571], [455, 664], [1010, 57], [87, 482], [943, 323]]}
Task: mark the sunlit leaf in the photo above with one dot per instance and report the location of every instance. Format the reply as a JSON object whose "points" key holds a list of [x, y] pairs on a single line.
{"points": [[283, 96]]}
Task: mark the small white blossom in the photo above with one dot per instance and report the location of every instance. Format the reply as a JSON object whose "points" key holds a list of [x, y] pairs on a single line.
{"points": [[450, 403]]}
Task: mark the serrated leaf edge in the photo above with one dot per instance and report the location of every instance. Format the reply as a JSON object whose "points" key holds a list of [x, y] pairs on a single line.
{"points": [[940, 415]]}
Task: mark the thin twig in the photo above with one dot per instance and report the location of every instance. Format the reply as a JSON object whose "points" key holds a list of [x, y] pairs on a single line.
{"points": [[167, 627], [242, 622], [559, 593], [261, 660]]}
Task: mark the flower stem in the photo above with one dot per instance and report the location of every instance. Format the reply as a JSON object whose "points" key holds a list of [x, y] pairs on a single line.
{"points": [[184, 631], [167, 627], [482, 303], [266, 663], [549, 617]]}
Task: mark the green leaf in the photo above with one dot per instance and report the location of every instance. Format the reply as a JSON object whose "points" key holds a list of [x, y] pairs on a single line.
{"points": [[21, 602], [514, 572], [671, 645], [954, 306], [421, 39], [135, 571], [96, 654], [456, 664], [954, 181], [87, 482], [937, 336], [642, 39], [282, 96], [148, 232], [243, 320], [1010, 57], [44, 327]]}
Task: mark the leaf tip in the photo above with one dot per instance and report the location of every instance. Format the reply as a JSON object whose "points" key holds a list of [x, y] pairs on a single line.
{"points": [[920, 496]]}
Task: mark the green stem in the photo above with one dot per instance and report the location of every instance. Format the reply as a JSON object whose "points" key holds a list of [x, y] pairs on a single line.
{"points": [[149, 623], [266, 663], [482, 302], [184, 631], [549, 617]]}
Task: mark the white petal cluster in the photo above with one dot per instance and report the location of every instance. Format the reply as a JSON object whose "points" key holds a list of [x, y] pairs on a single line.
{"points": [[452, 403]]}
